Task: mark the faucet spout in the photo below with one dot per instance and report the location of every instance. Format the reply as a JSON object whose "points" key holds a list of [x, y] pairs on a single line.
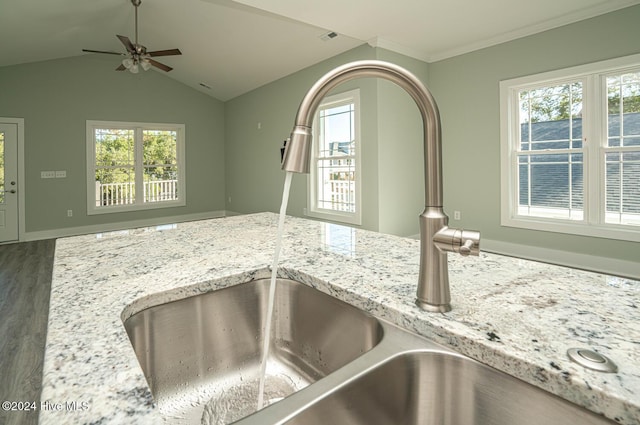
{"points": [[433, 284]]}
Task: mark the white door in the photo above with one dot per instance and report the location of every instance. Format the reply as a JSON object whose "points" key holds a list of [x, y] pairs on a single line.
{"points": [[8, 182]]}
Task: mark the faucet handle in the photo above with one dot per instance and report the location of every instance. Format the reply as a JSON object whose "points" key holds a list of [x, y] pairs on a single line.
{"points": [[466, 247], [464, 242]]}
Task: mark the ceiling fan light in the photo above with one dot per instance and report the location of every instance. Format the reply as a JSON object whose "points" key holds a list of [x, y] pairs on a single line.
{"points": [[134, 68], [127, 63], [145, 65]]}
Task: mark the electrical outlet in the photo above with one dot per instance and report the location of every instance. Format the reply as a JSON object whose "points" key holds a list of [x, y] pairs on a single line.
{"points": [[456, 215], [69, 213]]}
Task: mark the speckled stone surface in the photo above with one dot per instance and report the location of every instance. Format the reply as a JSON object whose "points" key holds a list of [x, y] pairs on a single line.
{"points": [[515, 315]]}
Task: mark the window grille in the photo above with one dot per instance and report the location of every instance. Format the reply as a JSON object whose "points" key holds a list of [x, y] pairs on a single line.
{"points": [[335, 185], [570, 143], [134, 166]]}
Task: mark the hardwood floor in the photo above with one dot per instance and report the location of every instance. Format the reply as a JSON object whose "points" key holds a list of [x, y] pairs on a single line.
{"points": [[25, 286]]}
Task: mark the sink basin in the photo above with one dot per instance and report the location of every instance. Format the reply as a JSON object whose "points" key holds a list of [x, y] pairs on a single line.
{"points": [[201, 358], [206, 350], [441, 388]]}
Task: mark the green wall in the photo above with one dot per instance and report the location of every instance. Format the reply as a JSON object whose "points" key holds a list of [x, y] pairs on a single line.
{"points": [[400, 152], [467, 90], [253, 174], [391, 134], [233, 148], [56, 97]]}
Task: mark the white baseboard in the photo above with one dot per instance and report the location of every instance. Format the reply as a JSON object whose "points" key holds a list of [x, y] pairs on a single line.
{"points": [[109, 227], [229, 213], [588, 262], [592, 263]]}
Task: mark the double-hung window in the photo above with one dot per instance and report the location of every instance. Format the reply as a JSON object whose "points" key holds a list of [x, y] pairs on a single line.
{"points": [[570, 143], [335, 183], [134, 166]]}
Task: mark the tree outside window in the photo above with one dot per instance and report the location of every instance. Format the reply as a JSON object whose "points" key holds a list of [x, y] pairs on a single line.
{"points": [[135, 165]]}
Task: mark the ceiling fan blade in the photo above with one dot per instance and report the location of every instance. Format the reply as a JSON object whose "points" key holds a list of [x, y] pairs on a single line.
{"points": [[160, 65], [102, 51], [170, 52], [121, 68], [127, 43]]}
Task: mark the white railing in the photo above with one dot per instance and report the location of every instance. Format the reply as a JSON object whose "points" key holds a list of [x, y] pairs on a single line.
{"points": [[342, 194], [124, 193]]}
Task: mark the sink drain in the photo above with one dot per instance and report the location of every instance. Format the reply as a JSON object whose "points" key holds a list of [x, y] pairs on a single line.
{"points": [[592, 360]]}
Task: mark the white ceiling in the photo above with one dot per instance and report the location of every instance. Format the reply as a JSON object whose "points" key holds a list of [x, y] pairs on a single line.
{"points": [[436, 29], [236, 46]]}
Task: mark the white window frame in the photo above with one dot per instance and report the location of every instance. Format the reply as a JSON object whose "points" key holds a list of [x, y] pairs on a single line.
{"points": [[594, 136], [138, 127], [352, 96]]}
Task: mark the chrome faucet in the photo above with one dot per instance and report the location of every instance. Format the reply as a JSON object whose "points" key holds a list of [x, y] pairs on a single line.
{"points": [[436, 238]]}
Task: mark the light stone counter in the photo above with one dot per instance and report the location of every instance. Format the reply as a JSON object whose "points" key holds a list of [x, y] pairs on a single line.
{"points": [[515, 315]]}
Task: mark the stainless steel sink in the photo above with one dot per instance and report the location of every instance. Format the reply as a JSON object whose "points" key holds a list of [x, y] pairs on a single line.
{"points": [[330, 363], [439, 388], [209, 346], [409, 380]]}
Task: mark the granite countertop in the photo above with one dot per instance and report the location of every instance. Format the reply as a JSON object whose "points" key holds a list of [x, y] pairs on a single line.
{"points": [[515, 315]]}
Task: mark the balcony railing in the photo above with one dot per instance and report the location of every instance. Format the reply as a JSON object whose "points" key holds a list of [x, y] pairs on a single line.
{"points": [[341, 195], [108, 194]]}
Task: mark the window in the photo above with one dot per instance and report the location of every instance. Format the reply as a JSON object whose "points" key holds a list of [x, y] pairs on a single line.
{"points": [[570, 144], [133, 166], [334, 183]]}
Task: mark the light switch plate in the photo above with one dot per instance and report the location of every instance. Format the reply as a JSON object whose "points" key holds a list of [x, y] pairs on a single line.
{"points": [[61, 174], [47, 174]]}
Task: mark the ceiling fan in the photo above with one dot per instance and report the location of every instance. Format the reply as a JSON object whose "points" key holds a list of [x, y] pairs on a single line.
{"points": [[137, 56]]}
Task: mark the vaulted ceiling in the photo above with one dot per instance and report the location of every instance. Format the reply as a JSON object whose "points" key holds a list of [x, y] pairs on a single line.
{"points": [[235, 46]]}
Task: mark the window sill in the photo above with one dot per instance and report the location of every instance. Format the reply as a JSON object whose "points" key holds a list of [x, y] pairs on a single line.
{"points": [[624, 233], [334, 216], [128, 208]]}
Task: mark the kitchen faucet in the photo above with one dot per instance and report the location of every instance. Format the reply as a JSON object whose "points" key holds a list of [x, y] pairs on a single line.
{"points": [[436, 238]]}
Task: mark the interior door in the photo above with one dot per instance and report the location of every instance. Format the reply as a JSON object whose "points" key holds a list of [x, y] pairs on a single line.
{"points": [[8, 182]]}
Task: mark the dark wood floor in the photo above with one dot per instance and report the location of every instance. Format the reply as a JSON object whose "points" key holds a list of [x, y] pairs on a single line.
{"points": [[25, 286]]}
